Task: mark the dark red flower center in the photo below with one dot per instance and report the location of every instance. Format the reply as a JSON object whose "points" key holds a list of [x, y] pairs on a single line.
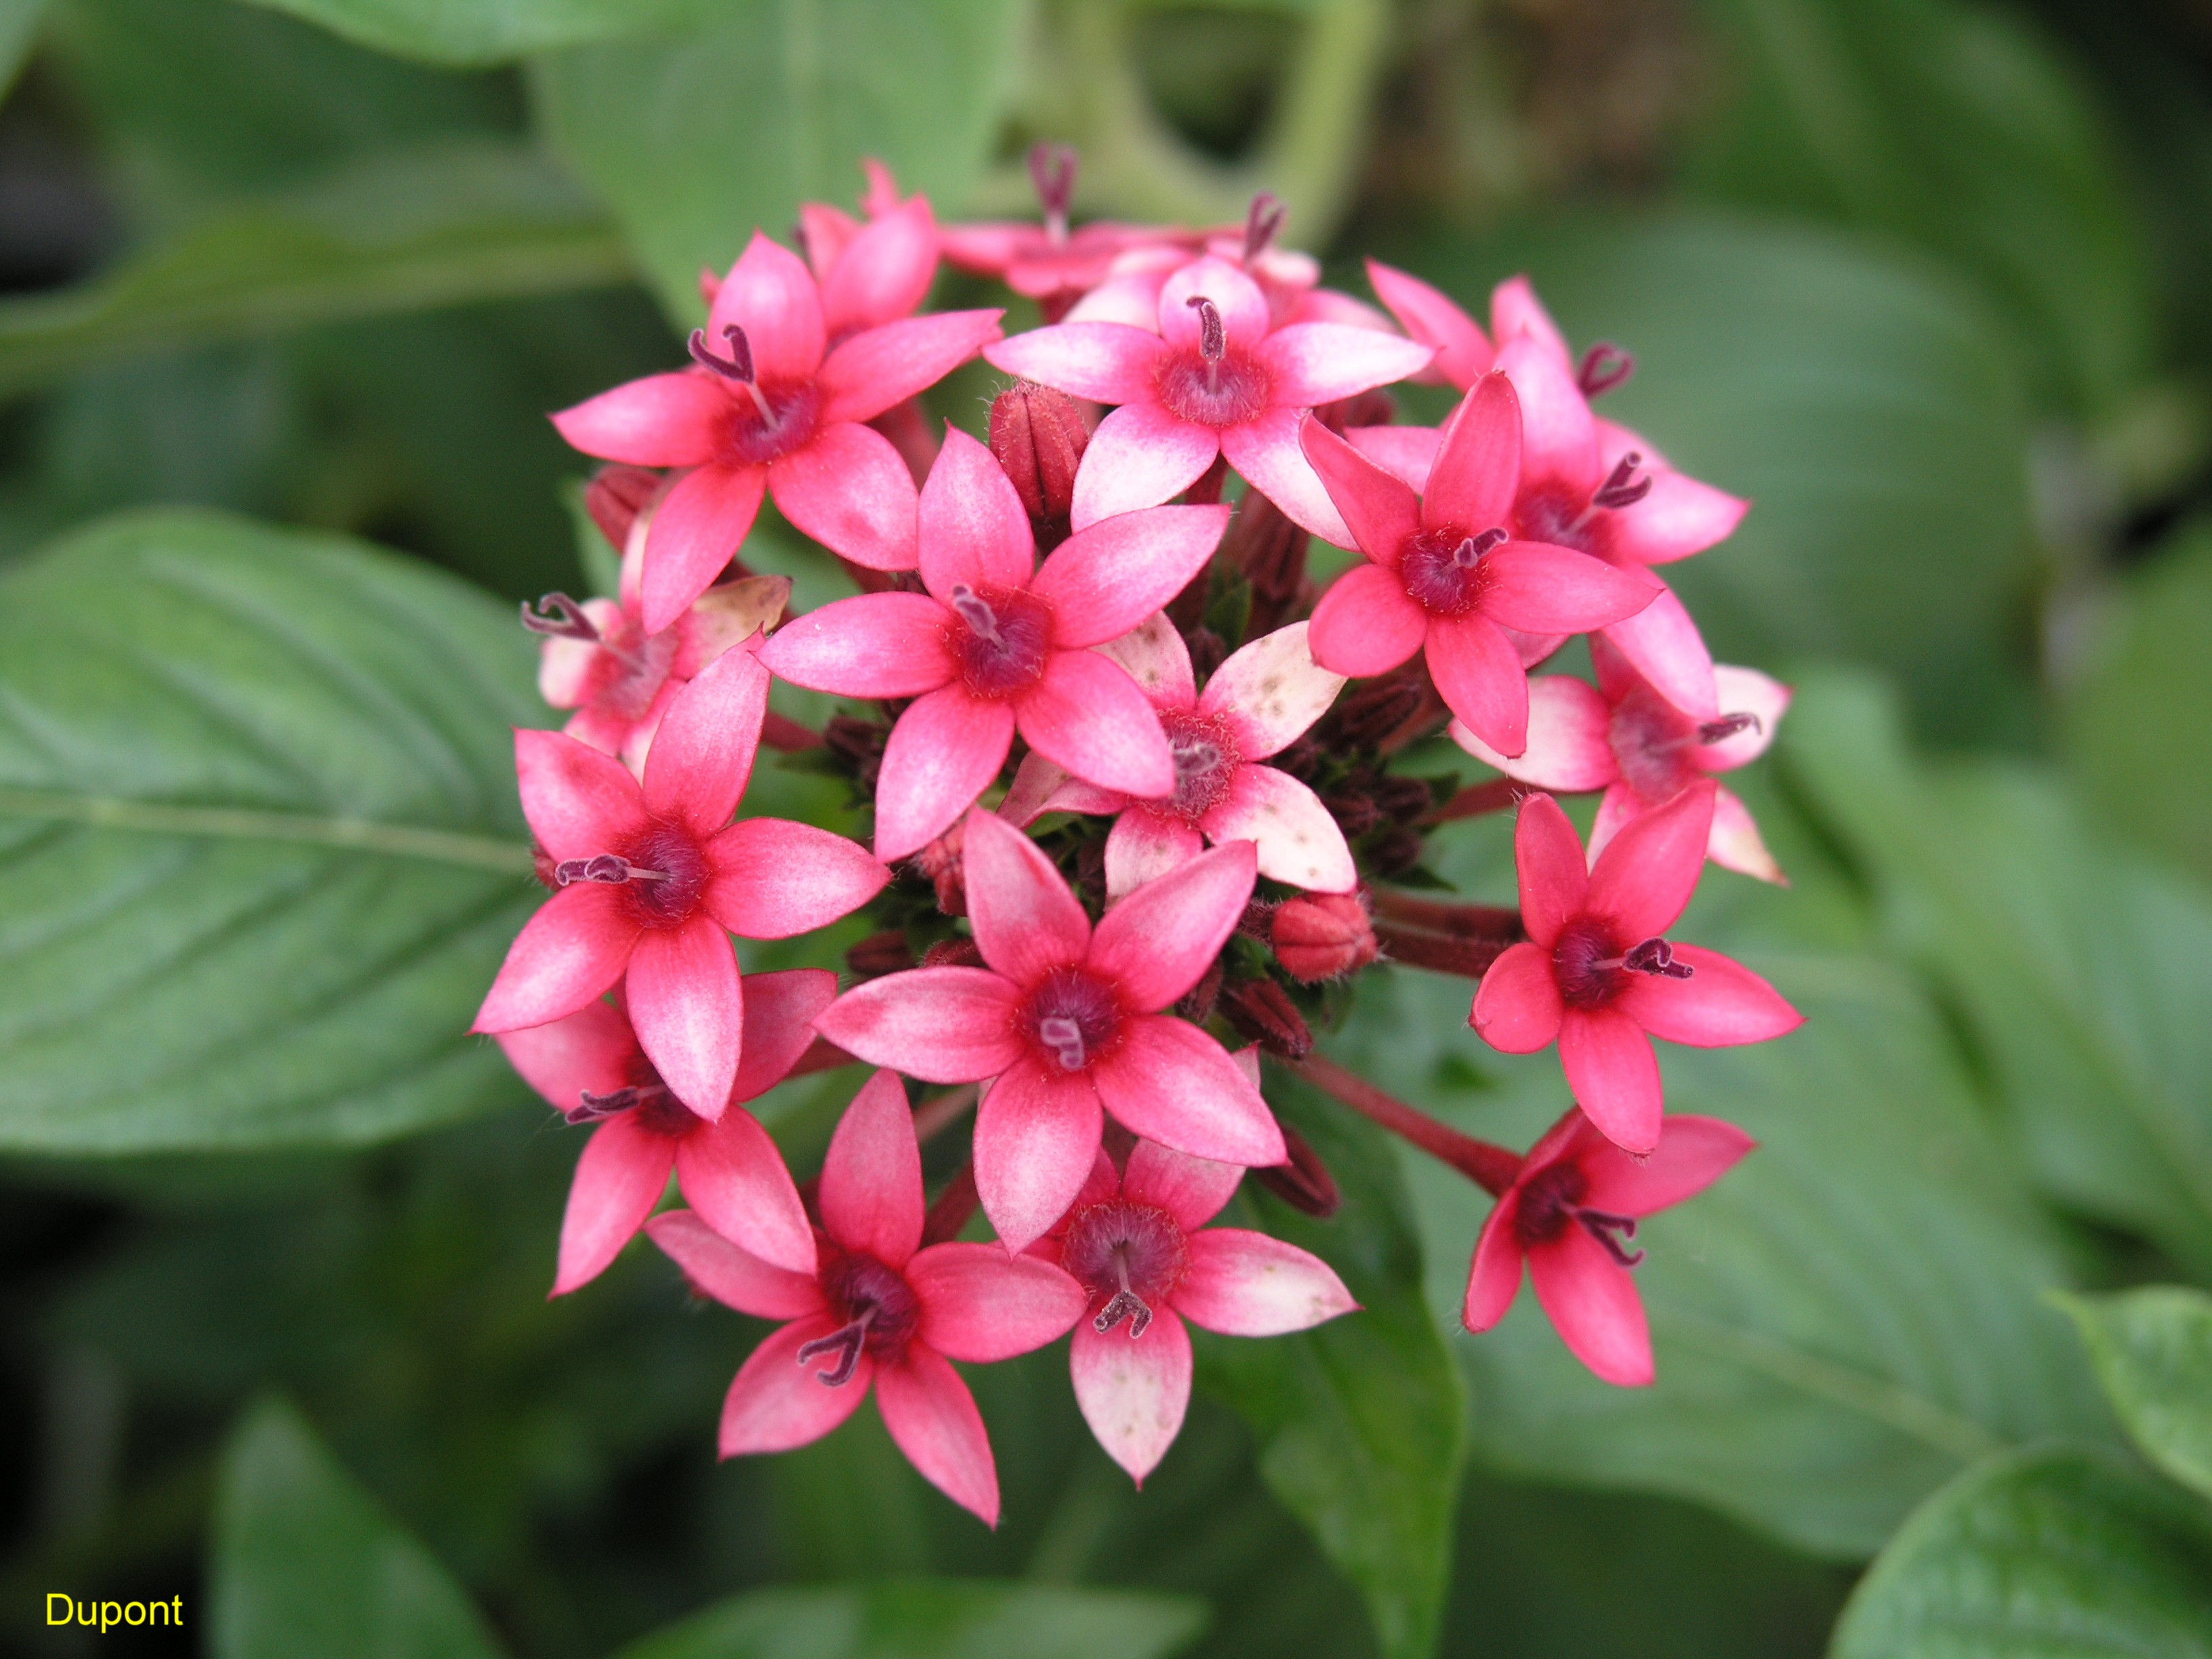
{"points": [[1549, 515], [1071, 1020], [1128, 1256], [880, 1310], [654, 1108], [1592, 969], [1651, 741], [1206, 761], [1443, 569], [662, 873], [1212, 383], [1001, 637], [1550, 1200]]}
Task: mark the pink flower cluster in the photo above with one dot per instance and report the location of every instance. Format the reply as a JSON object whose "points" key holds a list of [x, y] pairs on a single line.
{"points": [[1137, 806]]}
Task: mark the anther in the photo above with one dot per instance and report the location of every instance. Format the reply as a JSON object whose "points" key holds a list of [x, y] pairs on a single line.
{"points": [[847, 1343], [1621, 487], [1052, 170], [1262, 224], [1726, 726], [593, 1108], [1610, 1230], [1125, 1303], [602, 867], [1213, 338], [976, 612], [738, 367], [1604, 367], [1064, 1038], [1469, 553], [1656, 957], [558, 616]]}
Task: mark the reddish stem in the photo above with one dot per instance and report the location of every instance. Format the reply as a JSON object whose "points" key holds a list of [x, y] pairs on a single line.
{"points": [[1207, 490], [950, 1213], [1490, 922], [939, 1112], [1440, 953], [1491, 1167], [821, 1055], [1499, 795], [779, 732]]}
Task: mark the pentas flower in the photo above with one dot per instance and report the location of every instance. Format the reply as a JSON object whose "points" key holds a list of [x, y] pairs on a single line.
{"points": [[1622, 736], [998, 643], [1067, 1019], [1598, 978], [1256, 704], [1212, 377], [1136, 1240], [1446, 577], [648, 878], [768, 406], [1130, 291], [877, 1312], [871, 271], [591, 1069], [1575, 1201]]}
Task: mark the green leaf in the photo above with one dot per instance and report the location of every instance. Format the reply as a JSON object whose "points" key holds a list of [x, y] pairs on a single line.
{"points": [[464, 31], [2080, 971], [19, 24], [395, 232], [2152, 1352], [933, 1619], [777, 104], [2049, 1555], [1360, 1421], [262, 847], [307, 1562]]}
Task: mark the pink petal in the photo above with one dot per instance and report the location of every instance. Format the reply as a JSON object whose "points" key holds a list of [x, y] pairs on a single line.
{"points": [[1478, 675], [1617, 809], [1294, 836], [1037, 1134], [775, 879], [1694, 1152], [1140, 456], [940, 1024], [879, 366], [1664, 646], [879, 645], [1170, 1082], [1026, 921], [982, 1305], [824, 234], [620, 1177], [1494, 1278], [882, 270], [1477, 472], [733, 1177], [1109, 363], [1158, 942], [779, 1025], [944, 751], [1103, 581], [770, 294], [871, 1189], [1133, 1392], [1265, 452], [972, 527], [1559, 439], [1143, 847], [1721, 1004], [1039, 787], [1243, 307], [696, 530], [1743, 692], [663, 420], [690, 1013], [1613, 1075], [1381, 509], [591, 1052], [1246, 1284], [1152, 654], [1406, 453], [1678, 518], [848, 488], [1463, 352], [1271, 690], [1570, 745], [1644, 880], [1541, 589], [1548, 859], [1516, 1007], [1592, 1304], [703, 750], [932, 1418], [1191, 1189], [1736, 843], [566, 956], [1366, 624], [1315, 363], [1515, 310], [776, 1403], [732, 1275], [579, 801], [1089, 716]]}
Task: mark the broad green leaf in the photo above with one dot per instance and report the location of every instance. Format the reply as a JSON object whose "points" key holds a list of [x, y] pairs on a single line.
{"points": [[776, 105], [19, 24], [1360, 1421], [933, 1619], [396, 233], [2152, 1352], [2079, 970], [461, 32], [2055, 1553], [307, 1562], [264, 853]]}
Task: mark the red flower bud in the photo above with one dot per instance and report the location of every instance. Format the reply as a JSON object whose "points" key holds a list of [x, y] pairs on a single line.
{"points": [[940, 862], [1262, 1012], [1038, 436], [1323, 936], [615, 496]]}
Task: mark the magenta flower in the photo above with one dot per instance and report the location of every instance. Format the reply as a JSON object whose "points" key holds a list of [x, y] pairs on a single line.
{"points": [[768, 406], [1255, 705], [878, 1311], [1576, 1198], [1595, 975], [1445, 576], [648, 878], [1067, 1019], [590, 1066], [1622, 736], [871, 271], [1213, 378], [1137, 1242], [999, 643]]}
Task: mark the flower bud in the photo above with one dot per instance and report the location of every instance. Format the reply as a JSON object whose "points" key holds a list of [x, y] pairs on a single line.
{"points": [[879, 954], [615, 496], [1262, 1012], [1038, 436], [1270, 549], [1322, 936], [940, 862], [1303, 1183], [1378, 709]]}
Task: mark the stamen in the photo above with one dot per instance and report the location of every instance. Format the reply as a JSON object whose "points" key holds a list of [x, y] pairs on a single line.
{"points": [[1469, 553], [1604, 367], [1064, 1038], [1618, 490], [594, 1108], [1126, 1303], [976, 612], [1052, 170], [1726, 726], [847, 1343], [1656, 957], [1262, 224], [1213, 338], [558, 616], [738, 367], [1603, 1227], [605, 868]]}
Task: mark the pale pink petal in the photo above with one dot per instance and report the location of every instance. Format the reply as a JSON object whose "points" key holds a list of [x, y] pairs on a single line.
{"points": [[593, 1051], [733, 1177], [1366, 624], [577, 801], [1618, 808], [982, 1305], [1140, 456], [775, 879], [732, 1275], [620, 1177], [1109, 363], [1723, 1003], [1694, 1152], [663, 420], [1477, 472], [973, 531], [1516, 1007], [848, 488], [880, 271], [989, 246], [1328, 305], [1132, 298], [932, 1418], [1559, 439], [1312, 363], [1297, 839], [1663, 644], [1494, 1278], [1644, 880], [1515, 310], [1143, 847], [1381, 511], [940, 1024], [1243, 307], [703, 750], [1679, 517], [1241, 1283], [877, 644], [886, 365], [1541, 589], [1191, 1189], [1133, 1391], [566, 956], [1547, 858], [696, 529], [689, 1012], [1613, 1076], [871, 1189], [1478, 675], [1037, 1135], [1157, 943], [1569, 745], [943, 752], [779, 1012], [1170, 1082], [1592, 1303], [565, 667], [1271, 691], [1406, 453], [770, 294], [824, 233], [776, 1403], [1736, 843], [1026, 921], [1533, 650], [1463, 351], [1103, 581], [1743, 692], [1153, 654], [1265, 452], [1089, 716], [1039, 786]]}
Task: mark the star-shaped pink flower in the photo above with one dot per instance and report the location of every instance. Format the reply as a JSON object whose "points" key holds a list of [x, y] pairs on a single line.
{"points": [[878, 1312], [1067, 1019], [872, 270], [1597, 977], [1049, 262]]}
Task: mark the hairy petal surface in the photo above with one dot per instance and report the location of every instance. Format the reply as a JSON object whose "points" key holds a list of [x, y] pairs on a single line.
{"points": [[1133, 1392], [939, 1024], [620, 1177], [1241, 1283]]}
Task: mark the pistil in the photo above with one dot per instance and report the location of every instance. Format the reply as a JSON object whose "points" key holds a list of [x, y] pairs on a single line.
{"points": [[738, 367], [559, 618], [1125, 1303], [976, 612], [606, 868], [847, 1342], [1212, 340], [1052, 170]]}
